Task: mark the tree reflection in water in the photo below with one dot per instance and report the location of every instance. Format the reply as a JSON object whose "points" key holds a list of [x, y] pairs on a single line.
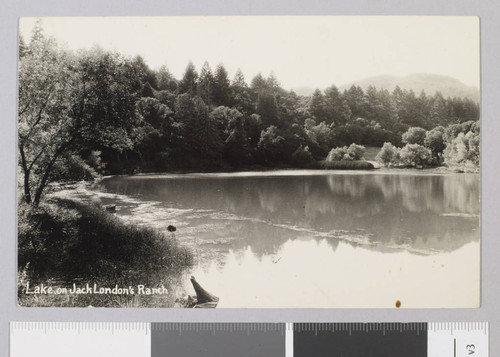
{"points": [[412, 211]]}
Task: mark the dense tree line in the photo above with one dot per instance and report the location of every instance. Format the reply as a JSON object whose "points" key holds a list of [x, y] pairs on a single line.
{"points": [[217, 122], [96, 110]]}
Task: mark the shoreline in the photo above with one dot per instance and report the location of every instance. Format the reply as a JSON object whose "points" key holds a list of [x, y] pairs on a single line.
{"points": [[294, 172], [381, 169]]}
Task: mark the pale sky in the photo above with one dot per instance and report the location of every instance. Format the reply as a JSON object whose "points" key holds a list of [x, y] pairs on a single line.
{"points": [[313, 51]]}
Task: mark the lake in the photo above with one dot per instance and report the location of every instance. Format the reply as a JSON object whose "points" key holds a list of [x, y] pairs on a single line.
{"points": [[308, 238]]}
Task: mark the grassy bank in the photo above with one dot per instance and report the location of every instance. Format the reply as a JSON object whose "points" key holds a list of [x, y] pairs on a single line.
{"points": [[371, 153], [64, 242], [339, 165], [346, 165]]}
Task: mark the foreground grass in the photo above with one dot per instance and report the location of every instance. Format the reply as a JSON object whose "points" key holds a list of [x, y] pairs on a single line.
{"points": [[65, 242]]}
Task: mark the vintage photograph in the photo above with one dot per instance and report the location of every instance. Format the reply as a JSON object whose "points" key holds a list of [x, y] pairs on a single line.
{"points": [[249, 162]]}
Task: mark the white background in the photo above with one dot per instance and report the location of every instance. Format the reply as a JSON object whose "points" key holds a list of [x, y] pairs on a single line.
{"points": [[10, 10]]}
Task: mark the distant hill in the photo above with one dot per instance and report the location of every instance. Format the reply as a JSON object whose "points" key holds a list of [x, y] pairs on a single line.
{"points": [[430, 83]]}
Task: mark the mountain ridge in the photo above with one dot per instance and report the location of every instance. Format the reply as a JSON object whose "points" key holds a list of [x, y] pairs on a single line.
{"points": [[430, 83]]}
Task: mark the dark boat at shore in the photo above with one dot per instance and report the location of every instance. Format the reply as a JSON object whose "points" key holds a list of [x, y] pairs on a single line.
{"points": [[202, 300]]}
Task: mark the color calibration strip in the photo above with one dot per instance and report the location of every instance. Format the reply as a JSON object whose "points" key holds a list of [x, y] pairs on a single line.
{"points": [[58, 339]]}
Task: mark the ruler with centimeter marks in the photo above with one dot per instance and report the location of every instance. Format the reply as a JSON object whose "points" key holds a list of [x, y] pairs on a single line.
{"points": [[78, 339]]}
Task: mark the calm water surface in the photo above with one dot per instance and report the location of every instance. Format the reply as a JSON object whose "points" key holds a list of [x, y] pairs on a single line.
{"points": [[317, 238]]}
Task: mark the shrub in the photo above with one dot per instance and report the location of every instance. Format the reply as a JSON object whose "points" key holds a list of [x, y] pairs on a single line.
{"points": [[65, 238], [336, 154], [415, 155], [356, 152], [353, 152], [388, 155]]}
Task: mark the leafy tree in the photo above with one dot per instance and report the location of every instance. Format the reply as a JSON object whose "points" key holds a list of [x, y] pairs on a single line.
{"points": [[414, 135], [107, 94], [386, 113], [337, 110], [267, 108], [258, 83], [415, 155], [37, 35], [355, 151], [147, 91], [234, 135], [22, 47], [317, 106], [388, 155], [287, 107], [476, 127], [166, 97], [206, 84], [201, 134], [380, 107], [226, 117], [237, 152], [153, 112], [461, 110], [189, 82], [253, 127], [470, 109], [351, 153], [309, 123], [272, 144], [463, 152], [156, 130], [321, 134], [435, 142], [348, 134], [145, 73], [239, 80], [46, 127], [165, 80], [272, 83], [67, 105], [302, 157], [439, 110], [240, 94], [372, 102], [398, 100], [452, 131], [355, 98], [422, 111], [221, 92], [184, 109], [407, 106], [337, 154]]}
